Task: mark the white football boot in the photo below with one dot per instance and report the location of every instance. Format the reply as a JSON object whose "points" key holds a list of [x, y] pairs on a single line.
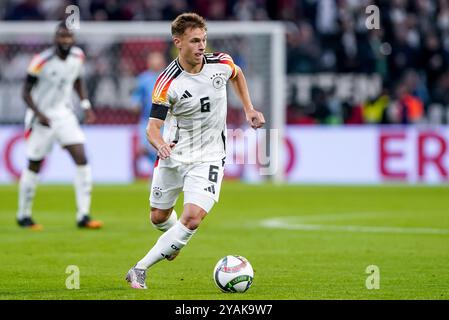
{"points": [[136, 278]]}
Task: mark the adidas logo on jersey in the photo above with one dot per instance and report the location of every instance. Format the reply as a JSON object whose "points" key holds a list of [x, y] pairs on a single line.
{"points": [[211, 189], [186, 95]]}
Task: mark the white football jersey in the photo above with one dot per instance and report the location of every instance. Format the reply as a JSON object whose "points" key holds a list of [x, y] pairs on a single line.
{"points": [[196, 120], [53, 90]]}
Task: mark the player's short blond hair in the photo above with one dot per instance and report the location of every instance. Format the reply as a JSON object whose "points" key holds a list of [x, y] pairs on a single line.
{"points": [[185, 21]]}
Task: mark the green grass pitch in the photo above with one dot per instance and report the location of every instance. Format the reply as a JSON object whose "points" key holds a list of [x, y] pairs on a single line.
{"points": [[321, 240]]}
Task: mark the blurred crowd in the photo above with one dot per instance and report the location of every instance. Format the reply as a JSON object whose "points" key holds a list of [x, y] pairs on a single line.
{"points": [[410, 50]]}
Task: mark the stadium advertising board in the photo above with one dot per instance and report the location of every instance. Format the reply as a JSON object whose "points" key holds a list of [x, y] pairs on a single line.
{"points": [[108, 149], [368, 155], [318, 155]]}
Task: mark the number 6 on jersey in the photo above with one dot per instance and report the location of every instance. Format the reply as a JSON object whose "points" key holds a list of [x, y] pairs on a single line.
{"points": [[205, 104]]}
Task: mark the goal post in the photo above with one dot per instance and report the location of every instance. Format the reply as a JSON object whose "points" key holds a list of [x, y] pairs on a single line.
{"points": [[115, 53]]}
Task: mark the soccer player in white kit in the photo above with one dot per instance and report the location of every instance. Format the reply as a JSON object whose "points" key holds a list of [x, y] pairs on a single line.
{"points": [[52, 74], [189, 100]]}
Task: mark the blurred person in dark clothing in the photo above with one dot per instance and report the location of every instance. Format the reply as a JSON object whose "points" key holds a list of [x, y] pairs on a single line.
{"points": [[319, 105], [26, 10], [376, 53], [347, 50], [433, 59], [440, 98], [174, 8], [403, 56], [111, 10], [303, 52]]}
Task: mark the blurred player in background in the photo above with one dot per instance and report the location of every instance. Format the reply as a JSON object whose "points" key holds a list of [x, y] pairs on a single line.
{"points": [[141, 99], [189, 99], [52, 74]]}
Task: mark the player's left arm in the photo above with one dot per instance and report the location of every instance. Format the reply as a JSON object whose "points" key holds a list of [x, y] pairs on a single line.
{"points": [[80, 88], [254, 118]]}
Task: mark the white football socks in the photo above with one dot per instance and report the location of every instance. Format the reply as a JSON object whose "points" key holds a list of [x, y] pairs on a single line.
{"points": [[167, 244], [83, 189], [164, 226], [27, 190]]}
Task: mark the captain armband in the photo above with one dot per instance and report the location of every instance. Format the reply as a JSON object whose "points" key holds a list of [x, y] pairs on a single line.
{"points": [[158, 111]]}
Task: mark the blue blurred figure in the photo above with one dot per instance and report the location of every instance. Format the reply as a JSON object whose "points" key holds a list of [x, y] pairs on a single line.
{"points": [[141, 99]]}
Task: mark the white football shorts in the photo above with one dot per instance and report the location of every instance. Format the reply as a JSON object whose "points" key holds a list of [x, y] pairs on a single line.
{"points": [[40, 139], [200, 182]]}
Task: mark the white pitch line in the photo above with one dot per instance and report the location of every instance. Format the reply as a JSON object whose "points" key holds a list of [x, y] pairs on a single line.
{"points": [[280, 223]]}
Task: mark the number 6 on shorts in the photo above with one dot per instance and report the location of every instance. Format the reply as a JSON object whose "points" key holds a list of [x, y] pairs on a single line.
{"points": [[213, 173]]}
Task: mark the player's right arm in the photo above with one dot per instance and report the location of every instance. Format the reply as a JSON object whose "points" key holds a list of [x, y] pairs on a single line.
{"points": [[159, 109], [30, 81], [155, 138]]}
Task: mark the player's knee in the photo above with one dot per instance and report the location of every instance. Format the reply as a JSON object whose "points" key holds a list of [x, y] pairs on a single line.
{"points": [[81, 160], [78, 154], [191, 221], [192, 216], [34, 166], [158, 216]]}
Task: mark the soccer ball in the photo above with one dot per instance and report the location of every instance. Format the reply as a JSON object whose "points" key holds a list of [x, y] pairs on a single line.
{"points": [[233, 274]]}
